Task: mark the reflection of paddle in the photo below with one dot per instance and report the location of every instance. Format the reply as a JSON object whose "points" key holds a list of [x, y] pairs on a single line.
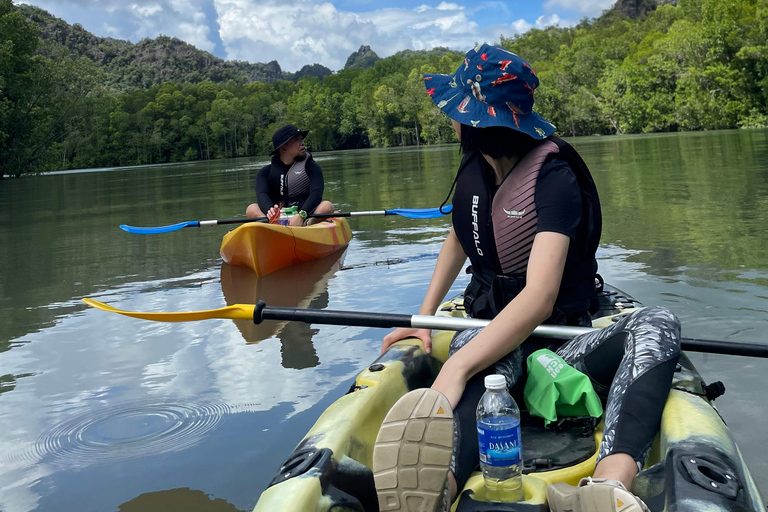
{"points": [[302, 285], [261, 312], [409, 213]]}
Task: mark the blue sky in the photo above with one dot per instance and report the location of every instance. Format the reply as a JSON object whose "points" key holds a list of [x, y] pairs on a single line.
{"points": [[298, 32]]}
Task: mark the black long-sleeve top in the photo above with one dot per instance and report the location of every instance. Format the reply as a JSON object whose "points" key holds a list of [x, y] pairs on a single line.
{"points": [[291, 185]]}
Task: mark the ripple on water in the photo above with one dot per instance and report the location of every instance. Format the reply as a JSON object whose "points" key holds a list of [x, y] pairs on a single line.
{"points": [[129, 430], [724, 326]]}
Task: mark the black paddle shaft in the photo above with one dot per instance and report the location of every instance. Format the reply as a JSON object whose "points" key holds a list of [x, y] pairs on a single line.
{"points": [[244, 220], [319, 316], [240, 221], [734, 348], [389, 320]]}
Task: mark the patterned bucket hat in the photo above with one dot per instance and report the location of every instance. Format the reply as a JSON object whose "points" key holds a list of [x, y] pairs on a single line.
{"points": [[493, 87]]}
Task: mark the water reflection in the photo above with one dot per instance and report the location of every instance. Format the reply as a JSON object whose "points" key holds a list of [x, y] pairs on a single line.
{"points": [[685, 227], [163, 405], [304, 286], [177, 500], [693, 204]]}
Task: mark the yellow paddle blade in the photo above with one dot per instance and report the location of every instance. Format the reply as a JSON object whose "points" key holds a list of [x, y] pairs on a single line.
{"points": [[233, 312]]}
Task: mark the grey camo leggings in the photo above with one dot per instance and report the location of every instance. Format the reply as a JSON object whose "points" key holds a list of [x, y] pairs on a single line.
{"points": [[630, 364]]}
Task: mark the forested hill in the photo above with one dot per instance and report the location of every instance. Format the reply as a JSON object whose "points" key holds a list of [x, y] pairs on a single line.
{"points": [[151, 62], [155, 61], [636, 8], [643, 66]]}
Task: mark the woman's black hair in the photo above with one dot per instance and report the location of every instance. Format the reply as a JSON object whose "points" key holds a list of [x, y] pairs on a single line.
{"points": [[496, 141]]}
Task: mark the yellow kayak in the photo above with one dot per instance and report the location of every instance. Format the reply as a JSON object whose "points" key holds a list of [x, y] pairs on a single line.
{"points": [[694, 464], [265, 248]]}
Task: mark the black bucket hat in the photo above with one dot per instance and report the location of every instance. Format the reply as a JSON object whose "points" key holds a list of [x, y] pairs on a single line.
{"points": [[284, 134]]}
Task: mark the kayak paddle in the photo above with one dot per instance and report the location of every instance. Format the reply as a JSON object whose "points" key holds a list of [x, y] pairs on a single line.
{"points": [[409, 213], [260, 312]]}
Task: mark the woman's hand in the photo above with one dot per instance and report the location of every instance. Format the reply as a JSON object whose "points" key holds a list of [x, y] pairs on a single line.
{"points": [[296, 220], [424, 335]]}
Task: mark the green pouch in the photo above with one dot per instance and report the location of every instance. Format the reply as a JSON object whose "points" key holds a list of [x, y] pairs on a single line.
{"points": [[555, 389]]}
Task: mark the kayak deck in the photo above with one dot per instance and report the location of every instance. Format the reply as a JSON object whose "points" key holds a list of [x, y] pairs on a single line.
{"points": [[693, 465], [265, 248]]}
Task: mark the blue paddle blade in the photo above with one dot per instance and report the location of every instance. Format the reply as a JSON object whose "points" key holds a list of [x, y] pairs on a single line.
{"points": [[421, 213], [160, 229]]}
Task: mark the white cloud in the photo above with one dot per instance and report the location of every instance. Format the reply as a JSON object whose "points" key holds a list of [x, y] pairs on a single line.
{"points": [[586, 7], [146, 11], [190, 32], [554, 20], [548, 21], [521, 26], [138, 19], [299, 32], [110, 30]]}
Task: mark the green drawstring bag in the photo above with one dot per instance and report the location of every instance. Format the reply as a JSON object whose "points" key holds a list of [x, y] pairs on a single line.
{"points": [[555, 389]]}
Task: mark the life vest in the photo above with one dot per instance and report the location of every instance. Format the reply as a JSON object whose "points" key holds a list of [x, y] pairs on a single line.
{"points": [[496, 231], [294, 183]]}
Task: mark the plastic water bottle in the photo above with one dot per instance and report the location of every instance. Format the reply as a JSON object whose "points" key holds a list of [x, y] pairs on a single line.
{"points": [[286, 214], [498, 432]]}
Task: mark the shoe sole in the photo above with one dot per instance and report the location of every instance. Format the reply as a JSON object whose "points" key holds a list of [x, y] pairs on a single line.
{"points": [[413, 451], [562, 497]]}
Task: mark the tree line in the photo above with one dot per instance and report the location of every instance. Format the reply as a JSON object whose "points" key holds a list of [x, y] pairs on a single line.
{"points": [[698, 65]]}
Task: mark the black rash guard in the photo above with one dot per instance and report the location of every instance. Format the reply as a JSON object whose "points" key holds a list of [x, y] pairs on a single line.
{"points": [[303, 189]]}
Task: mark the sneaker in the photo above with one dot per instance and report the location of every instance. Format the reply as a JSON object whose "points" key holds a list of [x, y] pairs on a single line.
{"points": [[593, 495], [412, 454]]}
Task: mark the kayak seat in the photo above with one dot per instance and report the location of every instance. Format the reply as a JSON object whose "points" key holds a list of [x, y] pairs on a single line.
{"points": [[568, 443]]}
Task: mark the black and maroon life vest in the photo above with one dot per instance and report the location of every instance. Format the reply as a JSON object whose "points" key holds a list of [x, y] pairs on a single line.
{"points": [[496, 231]]}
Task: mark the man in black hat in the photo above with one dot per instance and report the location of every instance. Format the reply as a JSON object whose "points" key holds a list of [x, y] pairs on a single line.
{"points": [[292, 179]]}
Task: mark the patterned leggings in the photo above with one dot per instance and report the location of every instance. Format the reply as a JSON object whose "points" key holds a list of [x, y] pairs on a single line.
{"points": [[630, 364]]}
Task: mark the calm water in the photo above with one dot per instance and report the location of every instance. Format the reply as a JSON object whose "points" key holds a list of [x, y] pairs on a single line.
{"points": [[100, 412]]}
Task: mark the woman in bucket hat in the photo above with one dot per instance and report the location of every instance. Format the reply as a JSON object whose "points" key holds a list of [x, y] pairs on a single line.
{"points": [[527, 215], [292, 178]]}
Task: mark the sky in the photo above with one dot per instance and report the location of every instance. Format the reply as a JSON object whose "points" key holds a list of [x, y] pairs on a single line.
{"points": [[299, 32]]}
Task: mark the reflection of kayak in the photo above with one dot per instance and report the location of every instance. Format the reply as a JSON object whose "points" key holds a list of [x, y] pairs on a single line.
{"points": [[693, 465], [269, 247], [296, 286], [304, 285]]}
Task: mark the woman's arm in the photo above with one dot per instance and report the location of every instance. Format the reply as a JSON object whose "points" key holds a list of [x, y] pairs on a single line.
{"points": [[449, 264], [450, 261], [516, 321]]}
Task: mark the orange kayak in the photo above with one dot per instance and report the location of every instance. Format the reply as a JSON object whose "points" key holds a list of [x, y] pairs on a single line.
{"points": [[268, 247]]}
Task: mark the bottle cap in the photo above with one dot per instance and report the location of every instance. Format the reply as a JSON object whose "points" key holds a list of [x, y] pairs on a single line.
{"points": [[495, 382]]}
